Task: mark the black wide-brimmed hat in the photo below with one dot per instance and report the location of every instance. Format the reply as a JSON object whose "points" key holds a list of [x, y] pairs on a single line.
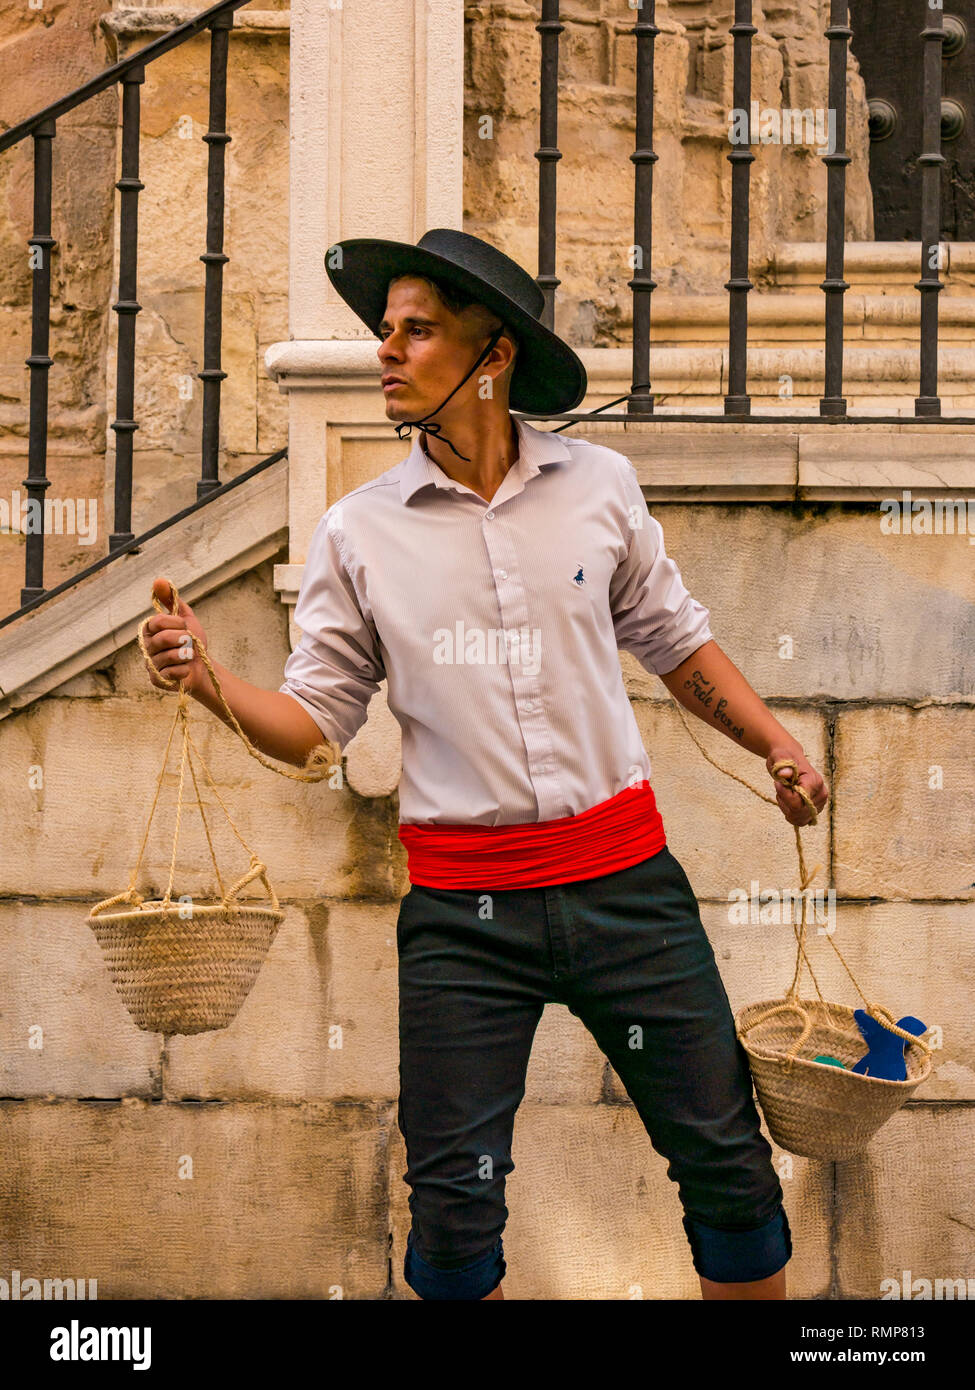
{"points": [[548, 376]]}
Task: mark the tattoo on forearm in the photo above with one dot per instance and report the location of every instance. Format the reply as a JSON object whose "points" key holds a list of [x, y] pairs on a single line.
{"points": [[703, 690]]}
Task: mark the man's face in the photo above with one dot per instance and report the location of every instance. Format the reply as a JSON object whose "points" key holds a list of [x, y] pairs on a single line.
{"points": [[426, 350]]}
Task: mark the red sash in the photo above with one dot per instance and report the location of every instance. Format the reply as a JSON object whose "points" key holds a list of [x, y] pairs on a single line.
{"points": [[607, 837]]}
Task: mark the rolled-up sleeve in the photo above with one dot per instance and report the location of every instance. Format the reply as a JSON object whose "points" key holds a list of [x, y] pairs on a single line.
{"points": [[655, 617], [336, 666]]}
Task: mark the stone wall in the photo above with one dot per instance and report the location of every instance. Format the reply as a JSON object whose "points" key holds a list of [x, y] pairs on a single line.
{"points": [[288, 1117], [265, 1160], [46, 53], [51, 51], [61, 45], [596, 135]]}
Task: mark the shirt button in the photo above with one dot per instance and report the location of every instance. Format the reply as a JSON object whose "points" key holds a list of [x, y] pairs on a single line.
{"points": [[489, 515], [502, 574]]}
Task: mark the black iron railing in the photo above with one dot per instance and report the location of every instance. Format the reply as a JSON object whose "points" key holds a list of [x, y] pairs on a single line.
{"points": [[137, 542], [41, 129], [640, 403], [737, 402]]}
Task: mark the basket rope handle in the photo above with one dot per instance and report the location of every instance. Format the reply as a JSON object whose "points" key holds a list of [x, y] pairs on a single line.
{"points": [[876, 1011], [256, 870], [785, 1008], [257, 867], [321, 759], [128, 896]]}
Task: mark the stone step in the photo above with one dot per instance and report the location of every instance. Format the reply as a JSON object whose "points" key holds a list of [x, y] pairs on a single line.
{"points": [[102, 614]]}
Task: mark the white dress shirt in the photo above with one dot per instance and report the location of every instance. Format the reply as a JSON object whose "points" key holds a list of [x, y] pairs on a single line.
{"points": [[497, 626]]}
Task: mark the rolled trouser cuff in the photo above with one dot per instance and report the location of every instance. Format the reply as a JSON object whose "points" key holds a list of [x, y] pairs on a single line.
{"points": [[471, 1281], [735, 1257]]}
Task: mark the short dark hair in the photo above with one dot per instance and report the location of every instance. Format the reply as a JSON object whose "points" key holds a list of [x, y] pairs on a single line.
{"points": [[457, 301]]}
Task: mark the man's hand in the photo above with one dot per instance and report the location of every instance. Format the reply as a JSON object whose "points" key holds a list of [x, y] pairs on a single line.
{"points": [[168, 643], [791, 803]]}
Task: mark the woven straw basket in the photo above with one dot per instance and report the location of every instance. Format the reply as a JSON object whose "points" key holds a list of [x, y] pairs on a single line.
{"points": [[811, 1108], [186, 968]]}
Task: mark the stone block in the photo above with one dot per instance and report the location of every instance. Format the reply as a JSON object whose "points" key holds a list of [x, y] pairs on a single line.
{"points": [[320, 1022], [197, 1201], [905, 784], [109, 752], [905, 1215], [721, 833], [865, 615], [566, 1066], [64, 1031]]}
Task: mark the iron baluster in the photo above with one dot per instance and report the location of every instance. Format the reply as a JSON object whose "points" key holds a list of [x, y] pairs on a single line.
{"points": [[213, 258], [643, 158], [127, 306]]}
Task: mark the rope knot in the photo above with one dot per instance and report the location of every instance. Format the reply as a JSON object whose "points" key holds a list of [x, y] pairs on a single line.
{"points": [[782, 763], [322, 757], [793, 785]]}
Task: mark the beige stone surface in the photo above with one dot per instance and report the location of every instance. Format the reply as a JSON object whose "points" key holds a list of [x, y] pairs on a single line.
{"points": [[870, 616], [566, 1066], [316, 839], [593, 1215], [197, 1201], [64, 1031], [721, 833], [897, 835], [373, 757], [938, 465], [905, 1211], [320, 1022]]}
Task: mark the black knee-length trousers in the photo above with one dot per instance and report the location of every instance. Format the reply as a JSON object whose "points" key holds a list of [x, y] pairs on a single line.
{"points": [[627, 953]]}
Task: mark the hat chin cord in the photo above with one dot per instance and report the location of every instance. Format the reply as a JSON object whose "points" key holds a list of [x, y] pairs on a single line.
{"points": [[404, 428]]}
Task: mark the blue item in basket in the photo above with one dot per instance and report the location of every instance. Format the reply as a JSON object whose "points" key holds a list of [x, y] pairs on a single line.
{"points": [[885, 1059]]}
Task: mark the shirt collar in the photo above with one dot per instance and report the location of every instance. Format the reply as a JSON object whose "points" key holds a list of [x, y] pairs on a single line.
{"points": [[536, 448]]}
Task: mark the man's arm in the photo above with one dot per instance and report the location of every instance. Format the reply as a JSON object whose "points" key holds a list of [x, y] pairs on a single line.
{"points": [[271, 719], [710, 685], [329, 678], [659, 623], [275, 723]]}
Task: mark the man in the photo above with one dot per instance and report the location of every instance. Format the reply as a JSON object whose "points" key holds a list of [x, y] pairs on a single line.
{"points": [[491, 578]]}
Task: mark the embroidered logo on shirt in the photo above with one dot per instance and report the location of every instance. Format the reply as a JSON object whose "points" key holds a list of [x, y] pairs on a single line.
{"points": [[578, 578]]}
